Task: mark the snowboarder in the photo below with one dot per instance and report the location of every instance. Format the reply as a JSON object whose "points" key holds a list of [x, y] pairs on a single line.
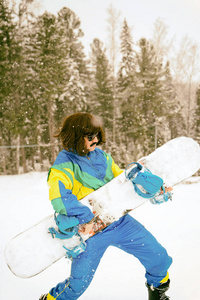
{"points": [[80, 168]]}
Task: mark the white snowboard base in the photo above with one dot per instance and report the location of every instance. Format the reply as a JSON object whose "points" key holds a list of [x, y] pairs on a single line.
{"points": [[34, 250]]}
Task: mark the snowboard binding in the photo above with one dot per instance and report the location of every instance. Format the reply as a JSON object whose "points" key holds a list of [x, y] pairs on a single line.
{"points": [[73, 253], [67, 228], [146, 184]]}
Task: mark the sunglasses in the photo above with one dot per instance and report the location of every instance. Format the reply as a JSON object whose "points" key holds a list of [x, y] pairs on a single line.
{"points": [[91, 137]]}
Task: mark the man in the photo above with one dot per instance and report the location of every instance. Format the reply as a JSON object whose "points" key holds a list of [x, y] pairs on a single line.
{"points": [[78, 170]]}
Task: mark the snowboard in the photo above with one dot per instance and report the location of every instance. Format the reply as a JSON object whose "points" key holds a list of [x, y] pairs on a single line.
{"points": [[34, 250]]}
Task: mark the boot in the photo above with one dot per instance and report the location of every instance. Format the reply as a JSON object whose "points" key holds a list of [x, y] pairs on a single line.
{"points": [[159, 292], [43, 297]]}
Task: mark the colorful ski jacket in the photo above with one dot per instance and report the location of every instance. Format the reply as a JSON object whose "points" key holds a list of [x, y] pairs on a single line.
{"points": [[72, 177]]}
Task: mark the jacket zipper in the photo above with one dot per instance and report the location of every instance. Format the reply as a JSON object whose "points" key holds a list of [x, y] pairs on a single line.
{"points": [[97, 172]]}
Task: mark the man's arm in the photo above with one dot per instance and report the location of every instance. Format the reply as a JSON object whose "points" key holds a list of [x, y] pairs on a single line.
{"points": [[115, 169], [62, 198]]}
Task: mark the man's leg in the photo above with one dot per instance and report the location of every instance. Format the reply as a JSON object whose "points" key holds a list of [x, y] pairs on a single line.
{"points": [[83, 269], [133, 238]]}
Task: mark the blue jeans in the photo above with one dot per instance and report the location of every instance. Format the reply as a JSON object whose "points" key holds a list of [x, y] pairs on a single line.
{"points": [[126, 234]]}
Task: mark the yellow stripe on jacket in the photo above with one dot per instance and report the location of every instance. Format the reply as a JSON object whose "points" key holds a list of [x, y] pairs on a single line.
{"points": [[75, 177]]}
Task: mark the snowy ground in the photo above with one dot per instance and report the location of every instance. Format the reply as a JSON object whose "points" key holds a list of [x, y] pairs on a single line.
{"points": [[176, 224]]}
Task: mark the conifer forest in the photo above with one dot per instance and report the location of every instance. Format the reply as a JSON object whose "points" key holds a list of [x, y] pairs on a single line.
{"points": [[144, 97]]}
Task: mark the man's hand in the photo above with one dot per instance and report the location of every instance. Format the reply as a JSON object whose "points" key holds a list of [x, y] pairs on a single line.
{"points": [[86, 228], [162, 196], [167, 189]]}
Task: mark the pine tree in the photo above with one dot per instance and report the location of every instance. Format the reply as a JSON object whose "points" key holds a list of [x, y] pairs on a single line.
{"points": [[147, 101], [60, 68], [10, 57], [102, 97], [5, 28], [151, 105], [71, 34], [20, 81], [127, 63], [73, 96], [175, 124], [126, 89], [26, 84], [75, 75]]}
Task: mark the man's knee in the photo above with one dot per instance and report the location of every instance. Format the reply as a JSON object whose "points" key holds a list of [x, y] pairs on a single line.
{"points": [[77, 286], [161, 262]]}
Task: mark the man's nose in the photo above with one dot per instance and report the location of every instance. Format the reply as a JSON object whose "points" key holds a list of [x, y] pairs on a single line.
{"points": [[95, 139]]}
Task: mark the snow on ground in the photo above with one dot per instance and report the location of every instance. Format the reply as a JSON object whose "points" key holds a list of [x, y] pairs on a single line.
{"points": [[176, 224]]}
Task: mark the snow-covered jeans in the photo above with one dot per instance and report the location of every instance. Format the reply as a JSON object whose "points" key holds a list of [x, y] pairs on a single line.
{"points": [[126, 234]]}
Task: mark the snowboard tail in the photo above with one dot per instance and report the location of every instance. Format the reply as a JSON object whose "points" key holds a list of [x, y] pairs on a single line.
{"points": [[34, 250]]}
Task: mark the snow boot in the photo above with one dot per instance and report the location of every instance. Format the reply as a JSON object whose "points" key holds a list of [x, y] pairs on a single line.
{"points": [[159, 292], [43, 297]]}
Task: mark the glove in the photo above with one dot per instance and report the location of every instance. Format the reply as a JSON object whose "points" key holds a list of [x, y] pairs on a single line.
{"points": [[162, 197]]}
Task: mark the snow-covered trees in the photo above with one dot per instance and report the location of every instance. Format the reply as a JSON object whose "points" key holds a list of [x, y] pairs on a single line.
{"points": [[44, 76], [147, 95], [101, 88]]}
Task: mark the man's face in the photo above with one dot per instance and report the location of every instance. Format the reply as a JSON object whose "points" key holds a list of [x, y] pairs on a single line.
{"points": [[91, 142]]}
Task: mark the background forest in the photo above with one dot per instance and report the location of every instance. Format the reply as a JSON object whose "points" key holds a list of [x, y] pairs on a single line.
{"points": [[144, 98]]}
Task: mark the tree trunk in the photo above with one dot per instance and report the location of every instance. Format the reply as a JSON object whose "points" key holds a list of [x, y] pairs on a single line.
{"points": [[18, 154], [23, 155]]}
